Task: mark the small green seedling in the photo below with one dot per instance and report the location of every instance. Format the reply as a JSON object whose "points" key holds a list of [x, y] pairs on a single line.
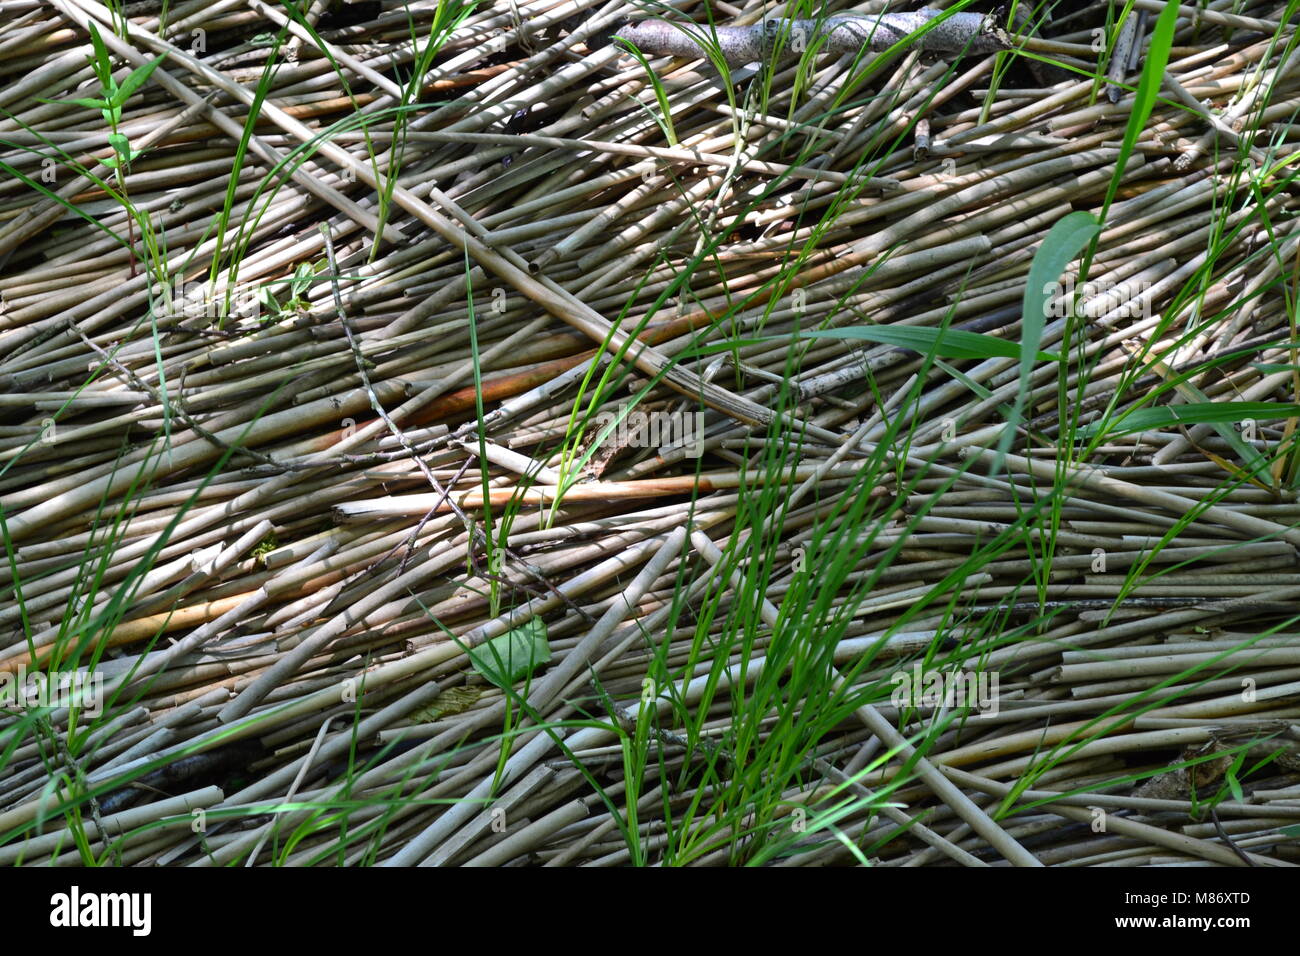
{"points": [[113, 97], [299, 283]]}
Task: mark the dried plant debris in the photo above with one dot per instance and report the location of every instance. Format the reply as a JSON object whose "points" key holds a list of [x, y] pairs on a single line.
{"points": [[868, 437], [1203, 768], [926, 29]]}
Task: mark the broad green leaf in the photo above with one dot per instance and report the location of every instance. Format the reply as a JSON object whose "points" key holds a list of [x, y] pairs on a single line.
{"points": [[303, 276], [135, 79], [950, 343], [1234, 784], [1062, 244], [1268, 368], [84, 101], [122, 147], [101, 62], [505, 659], [267, 298], [1146, 419]]}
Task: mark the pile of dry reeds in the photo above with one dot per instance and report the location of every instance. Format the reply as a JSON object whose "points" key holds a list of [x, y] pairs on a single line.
{"points": [[245, 481]]}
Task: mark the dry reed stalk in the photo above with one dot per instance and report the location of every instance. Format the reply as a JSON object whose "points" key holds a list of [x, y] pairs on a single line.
{"points": [[383, 392]]}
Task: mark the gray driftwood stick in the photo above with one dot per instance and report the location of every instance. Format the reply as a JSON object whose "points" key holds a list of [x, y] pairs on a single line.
{"points": [[837, 35]]}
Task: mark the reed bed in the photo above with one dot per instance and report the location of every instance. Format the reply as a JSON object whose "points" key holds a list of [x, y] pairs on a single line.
{"points": [[495, 434]]}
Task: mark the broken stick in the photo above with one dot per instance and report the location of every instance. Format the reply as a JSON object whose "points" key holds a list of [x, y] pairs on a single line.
{"points": [[837, 35]]}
